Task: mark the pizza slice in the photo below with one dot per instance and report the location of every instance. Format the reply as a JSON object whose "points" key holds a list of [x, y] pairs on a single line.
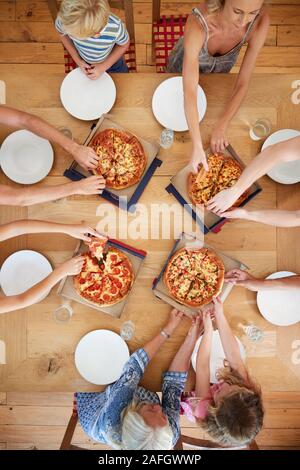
{"points": [[97, 247]]}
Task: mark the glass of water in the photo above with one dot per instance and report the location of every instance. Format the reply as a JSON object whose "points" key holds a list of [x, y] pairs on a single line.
{"points": [[253, 333], [64, 312], [260, 129], [166, 138], [66, 132], [127, 330]]}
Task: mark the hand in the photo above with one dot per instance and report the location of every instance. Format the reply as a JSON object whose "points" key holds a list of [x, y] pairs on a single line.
{"points": [[198, 156], [91, 185], [82, 232], [174, 320], [238, 277], [195, 330], [72, 267], [86, 157], [218, 307], [218, 141], [235, 214], [96, 71], [84, 66], [207, 315], [223, 200]]}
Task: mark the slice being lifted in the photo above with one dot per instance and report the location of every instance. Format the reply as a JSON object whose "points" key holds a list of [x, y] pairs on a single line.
{"points": [[194, 276]]}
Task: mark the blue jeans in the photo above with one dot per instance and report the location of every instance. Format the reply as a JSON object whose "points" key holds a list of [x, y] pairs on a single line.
{"points": [[119, 67]]}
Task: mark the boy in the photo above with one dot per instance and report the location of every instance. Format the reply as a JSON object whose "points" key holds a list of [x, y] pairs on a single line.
{"points": [[95, 38]]}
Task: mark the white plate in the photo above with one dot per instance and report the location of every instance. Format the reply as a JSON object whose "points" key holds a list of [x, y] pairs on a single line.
{"points": [[100, 357], [280, 307], [26, 158], [168, 107], [87, 99], [217, 355], [285, 173], [22, 270]]}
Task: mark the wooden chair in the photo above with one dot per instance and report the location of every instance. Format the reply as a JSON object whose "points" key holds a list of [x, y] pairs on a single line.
{"points": [[165, 33], [130, 54], [192, 443]]}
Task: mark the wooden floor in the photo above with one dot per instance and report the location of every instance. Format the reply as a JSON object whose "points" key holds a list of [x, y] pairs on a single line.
{"points": [[38, 420], [27, 34]]}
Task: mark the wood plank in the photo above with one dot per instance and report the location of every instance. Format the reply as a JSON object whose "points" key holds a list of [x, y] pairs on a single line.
{"points": [[31, 53], [59, 399], [288, 35], [271, 56], [7, 10], [35, 415], [2, 398], [28, 31]]}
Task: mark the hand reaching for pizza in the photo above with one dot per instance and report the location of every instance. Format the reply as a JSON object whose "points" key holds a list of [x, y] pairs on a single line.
{"points": [[223, 200], [91, 185], [218, 307], [207, 315], [82, 232], [73, 266], [198, 156], [96, 71], [86, 157], [241, 278], [236, 214], [219, 141], [174, 320], [195, 330]]}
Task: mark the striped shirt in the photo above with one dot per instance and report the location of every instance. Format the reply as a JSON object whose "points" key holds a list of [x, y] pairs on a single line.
{"points": [[97, 49]]}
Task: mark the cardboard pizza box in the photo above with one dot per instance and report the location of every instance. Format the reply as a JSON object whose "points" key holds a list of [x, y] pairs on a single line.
{"points": [[124, 198], [66, 287], [207, 221], [189, 241]]}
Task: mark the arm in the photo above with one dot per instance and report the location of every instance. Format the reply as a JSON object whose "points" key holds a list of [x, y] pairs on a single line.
{"points": [[85, 156], [33, 295], [276, 218], [203, 357], [229, 343], [244, 279], [27, 196], [21, 227], [282, 152], [117, 52], [193, 41]]}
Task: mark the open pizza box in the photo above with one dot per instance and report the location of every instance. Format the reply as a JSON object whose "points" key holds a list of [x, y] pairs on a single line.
{"points": [[207, 221], [124, 198], [66, 286], [189, 241]]}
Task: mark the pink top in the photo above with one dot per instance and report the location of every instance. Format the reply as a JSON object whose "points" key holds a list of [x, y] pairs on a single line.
{"points": [[200, 410]]}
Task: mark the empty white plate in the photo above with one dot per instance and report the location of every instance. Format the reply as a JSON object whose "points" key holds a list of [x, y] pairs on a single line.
{"points": [[100, 357], [26, 158], [22, 270], [280, 307], [217, 355], [168, 107], [87, 99], [285, 173]]}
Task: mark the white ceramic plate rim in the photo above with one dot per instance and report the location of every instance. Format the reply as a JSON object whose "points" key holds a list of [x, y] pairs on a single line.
{"points": [[94, 376], [40, 146], [156, 106], [261, 295], [9, 265], [68, 102]]}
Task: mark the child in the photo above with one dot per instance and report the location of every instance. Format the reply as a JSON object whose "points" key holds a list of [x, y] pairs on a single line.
{"points": [[231, 410], [94, 37]]}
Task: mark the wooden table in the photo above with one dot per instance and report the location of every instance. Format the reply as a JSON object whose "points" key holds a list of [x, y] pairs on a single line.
{"points": [[40, 351]]}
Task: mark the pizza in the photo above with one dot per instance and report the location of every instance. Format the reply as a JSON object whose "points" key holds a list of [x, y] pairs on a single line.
{"points": [[224, 171], [96, 246], [105, 281], [194, 276], [122, 159]]}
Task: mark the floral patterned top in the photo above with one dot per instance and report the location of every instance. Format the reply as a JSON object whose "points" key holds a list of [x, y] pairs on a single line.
{"points": [[100, 413]]}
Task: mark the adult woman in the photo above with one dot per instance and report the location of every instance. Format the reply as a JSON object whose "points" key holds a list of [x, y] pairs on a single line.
{"points": [[244, 279], [213, 37], [70, 267], [127, 416]]}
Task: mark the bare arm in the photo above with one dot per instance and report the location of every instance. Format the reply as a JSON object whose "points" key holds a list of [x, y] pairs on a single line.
{"points": [[203, 358], [33, 295], [194, 37], [241, 278], [27, 196], [229, 343], [276, 218], [85, 156], [255, 43], [182, 359]]}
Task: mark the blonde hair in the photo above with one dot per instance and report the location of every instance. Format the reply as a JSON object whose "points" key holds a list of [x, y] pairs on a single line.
{"points": [[214, 5], [137, 435], [83, 18], [238, 416]]}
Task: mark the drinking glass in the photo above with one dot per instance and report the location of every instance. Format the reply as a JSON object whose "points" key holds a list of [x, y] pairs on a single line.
{"points": [[166, 138], [64, 312], [127, 330], [260, 129]]}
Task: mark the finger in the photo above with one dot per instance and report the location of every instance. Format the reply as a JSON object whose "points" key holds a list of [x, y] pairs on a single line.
{"points": [[86, 238]]}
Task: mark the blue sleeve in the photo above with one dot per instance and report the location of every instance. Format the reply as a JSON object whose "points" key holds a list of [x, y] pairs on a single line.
{"points": [[123, 36], [172, 388], [120, 393], [58, 26]]}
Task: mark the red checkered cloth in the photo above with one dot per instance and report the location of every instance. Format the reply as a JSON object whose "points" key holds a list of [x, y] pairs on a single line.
{"points": [[166, 33], [130, 59]]}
